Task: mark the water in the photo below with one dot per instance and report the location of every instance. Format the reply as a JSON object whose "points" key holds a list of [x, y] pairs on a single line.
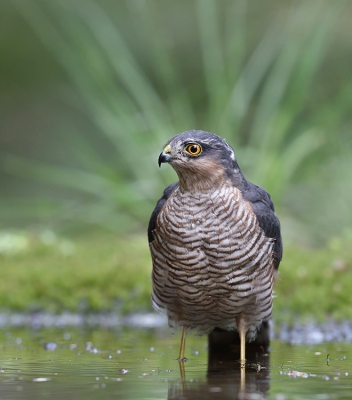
{"points": [[141, 364]]}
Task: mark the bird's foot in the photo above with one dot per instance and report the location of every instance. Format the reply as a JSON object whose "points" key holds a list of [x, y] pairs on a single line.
{"points": [[183, 359], [258, 367]]}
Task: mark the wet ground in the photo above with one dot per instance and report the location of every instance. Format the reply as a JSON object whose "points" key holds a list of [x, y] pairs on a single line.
{"points": [[140, 363], [308, 333]]}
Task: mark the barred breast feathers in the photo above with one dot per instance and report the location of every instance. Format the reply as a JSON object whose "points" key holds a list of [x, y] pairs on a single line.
{"points": [[210, 250]]}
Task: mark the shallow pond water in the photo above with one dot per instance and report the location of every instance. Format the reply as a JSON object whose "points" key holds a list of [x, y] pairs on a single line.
{"points": [[141, 364]]}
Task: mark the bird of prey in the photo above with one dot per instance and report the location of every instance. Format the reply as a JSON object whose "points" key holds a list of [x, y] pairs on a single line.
{"points": [[215, 242]]}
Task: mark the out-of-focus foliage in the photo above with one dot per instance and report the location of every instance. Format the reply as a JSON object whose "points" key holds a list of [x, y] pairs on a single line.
{"points": [[97, 87]]}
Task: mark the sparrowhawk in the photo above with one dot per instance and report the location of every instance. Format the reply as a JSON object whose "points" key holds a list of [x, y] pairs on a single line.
{"points": [[215, 242]]}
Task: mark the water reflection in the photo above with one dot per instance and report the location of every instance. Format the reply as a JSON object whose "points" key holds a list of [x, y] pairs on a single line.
{"points": [[141, 364], [225, 379], [226, 384]]}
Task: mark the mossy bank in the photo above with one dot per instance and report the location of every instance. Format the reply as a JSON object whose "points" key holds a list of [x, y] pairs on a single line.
{"points": [[103, 272]]}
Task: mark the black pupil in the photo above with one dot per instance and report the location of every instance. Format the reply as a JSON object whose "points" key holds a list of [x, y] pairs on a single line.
{"points": [[193, 149]]}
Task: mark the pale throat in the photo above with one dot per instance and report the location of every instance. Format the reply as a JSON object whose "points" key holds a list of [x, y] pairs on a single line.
{"points": [[200, 178]]}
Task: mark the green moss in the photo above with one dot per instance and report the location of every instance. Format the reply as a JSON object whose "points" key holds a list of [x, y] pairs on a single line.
{"points": [[314, 283], [105, 272], [99, 273]]}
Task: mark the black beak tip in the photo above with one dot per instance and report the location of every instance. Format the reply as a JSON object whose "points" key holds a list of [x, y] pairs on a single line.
{"points": [[163, 158]]}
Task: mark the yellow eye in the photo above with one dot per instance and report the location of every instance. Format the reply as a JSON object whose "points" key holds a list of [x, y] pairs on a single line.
{"points": [[193, 149]]}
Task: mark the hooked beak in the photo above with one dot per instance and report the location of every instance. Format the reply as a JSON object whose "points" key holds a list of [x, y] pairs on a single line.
{"points": [[165, 156]]}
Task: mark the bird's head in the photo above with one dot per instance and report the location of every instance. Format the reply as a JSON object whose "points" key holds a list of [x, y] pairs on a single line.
{"points": [[200, 158]]}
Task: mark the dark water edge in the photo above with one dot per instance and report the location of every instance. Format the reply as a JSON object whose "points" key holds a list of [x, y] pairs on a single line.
{"points": [[310, 332]]}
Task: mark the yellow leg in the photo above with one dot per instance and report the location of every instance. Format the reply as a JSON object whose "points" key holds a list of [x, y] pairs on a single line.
{"points": [[243, 347], [182, 370], [181, 357], [242, 330], [241, 326], [243, 380]]}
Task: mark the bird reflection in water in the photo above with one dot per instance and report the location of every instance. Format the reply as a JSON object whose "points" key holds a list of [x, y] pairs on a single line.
{"points": [[225, 378]]}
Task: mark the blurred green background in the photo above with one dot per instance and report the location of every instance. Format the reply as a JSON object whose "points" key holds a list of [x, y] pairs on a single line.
{"points": [[90, 92]]}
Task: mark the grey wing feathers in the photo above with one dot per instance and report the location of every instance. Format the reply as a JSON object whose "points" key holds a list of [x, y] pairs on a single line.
{"points": [[159, 206], [263, 208]]}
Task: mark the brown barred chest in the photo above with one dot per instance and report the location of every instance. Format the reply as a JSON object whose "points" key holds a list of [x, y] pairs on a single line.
{"points": [[211, 240]]}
